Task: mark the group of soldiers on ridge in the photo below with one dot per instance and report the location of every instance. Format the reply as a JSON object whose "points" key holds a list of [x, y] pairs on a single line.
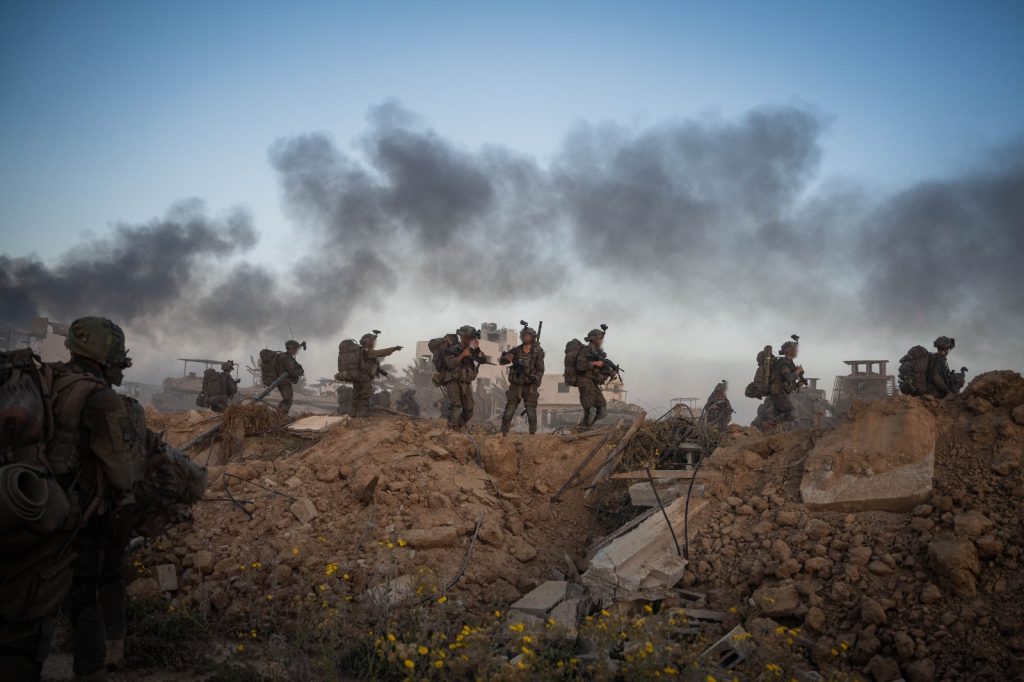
{"points": [[80, 476]]}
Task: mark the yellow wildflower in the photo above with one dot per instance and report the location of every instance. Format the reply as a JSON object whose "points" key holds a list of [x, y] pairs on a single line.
{"points": [[649, 648], [439, 664], [391, 637], [648, 608], [517, 627], [240, 648], [409, 664], [442, 599], [402, 543], [295, 551]]}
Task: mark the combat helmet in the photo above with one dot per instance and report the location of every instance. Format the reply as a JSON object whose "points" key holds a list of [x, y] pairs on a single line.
{"points": [[596, 333], [228, 366], [99, 339], [366, 338], [292, 343], [794, 342], [944, 343], [467, 330], [527, 329]]}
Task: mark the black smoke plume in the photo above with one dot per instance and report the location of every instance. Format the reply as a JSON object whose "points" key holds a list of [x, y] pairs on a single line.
{"points": [[134, 274]]}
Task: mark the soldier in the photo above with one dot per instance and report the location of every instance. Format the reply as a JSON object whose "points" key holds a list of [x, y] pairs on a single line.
{"points": [[591, 375], [167, 485], [221, 387], [461, 363], [369, 369], [524, 377], [407, 403], [786, 378], [286, 362], [718, 410], [89, 455], [941, 381]]}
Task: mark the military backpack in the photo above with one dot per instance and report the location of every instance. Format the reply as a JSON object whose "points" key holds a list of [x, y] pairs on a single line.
{"points": [[437, 348], [760, 386], [913, 371], [571, 376], [350, 361], [269, 365], [40, 409]]}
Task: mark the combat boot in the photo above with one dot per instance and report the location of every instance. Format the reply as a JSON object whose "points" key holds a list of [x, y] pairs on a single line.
{"points": [[506, 424]]}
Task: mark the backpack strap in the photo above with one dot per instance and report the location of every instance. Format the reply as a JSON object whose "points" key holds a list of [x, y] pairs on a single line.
{"points": [[70, 391]]}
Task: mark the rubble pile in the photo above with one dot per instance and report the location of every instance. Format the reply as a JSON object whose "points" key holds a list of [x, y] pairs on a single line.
{"points": [[913, 576], [370, 510], [888, 546]]}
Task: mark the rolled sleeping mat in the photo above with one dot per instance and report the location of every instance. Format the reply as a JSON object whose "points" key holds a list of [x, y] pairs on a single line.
{"points": [[23, 496]]}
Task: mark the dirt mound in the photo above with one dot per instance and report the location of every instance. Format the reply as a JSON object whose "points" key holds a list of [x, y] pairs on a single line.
{"points": [[373, 511], [933, 593]]}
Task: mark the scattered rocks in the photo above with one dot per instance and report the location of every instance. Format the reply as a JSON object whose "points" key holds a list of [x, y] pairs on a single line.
{"points": [[884, 669], [930, 594], [167, 577], [956, 559], [304, 510], [203, 560], [777, 600], [971, 524], [871, 612]]}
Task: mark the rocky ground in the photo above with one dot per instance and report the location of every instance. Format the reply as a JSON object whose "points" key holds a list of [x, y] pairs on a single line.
{"points": [[371, 520]]}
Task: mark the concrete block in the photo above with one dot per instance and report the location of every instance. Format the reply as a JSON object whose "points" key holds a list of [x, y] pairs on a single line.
{"points": [[643, 563], [167, 577], [882, 459], [568, 614], [542, 599], [642, 495]]}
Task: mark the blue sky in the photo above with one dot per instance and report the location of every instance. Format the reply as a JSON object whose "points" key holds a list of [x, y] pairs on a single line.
{"points": [[111, 111]]}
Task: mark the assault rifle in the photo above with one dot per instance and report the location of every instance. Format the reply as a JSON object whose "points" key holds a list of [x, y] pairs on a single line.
{"points": [[477, 356], [610, 369]]}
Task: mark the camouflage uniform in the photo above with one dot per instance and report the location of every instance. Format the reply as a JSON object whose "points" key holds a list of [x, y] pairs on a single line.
{"points": [[458, 378], [344, 392], [220, 401], [718, 410], [90, 456], [589, 381], [941, 381], [523, 381], [362, 391], [407, 403], [784, 381], [286, 362]]}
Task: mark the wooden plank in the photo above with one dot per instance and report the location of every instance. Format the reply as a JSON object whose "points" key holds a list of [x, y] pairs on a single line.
{"points": [[613, 459], [663, 473]]}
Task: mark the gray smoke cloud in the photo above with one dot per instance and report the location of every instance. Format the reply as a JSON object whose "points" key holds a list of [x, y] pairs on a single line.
{"points": [[133, 274], [724, 210]]}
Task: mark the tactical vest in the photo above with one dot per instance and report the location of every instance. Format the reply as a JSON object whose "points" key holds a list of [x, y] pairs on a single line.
{"points": [[523, 368], [70, 391]]}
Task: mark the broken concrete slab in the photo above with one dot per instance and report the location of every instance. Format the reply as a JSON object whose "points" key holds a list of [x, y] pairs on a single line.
{"points": [[730, 651], [642, 494], [304, 510], [568, 614], [883, 460], [167, 577], [316, 424], [543, 598], [643, 563]]}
